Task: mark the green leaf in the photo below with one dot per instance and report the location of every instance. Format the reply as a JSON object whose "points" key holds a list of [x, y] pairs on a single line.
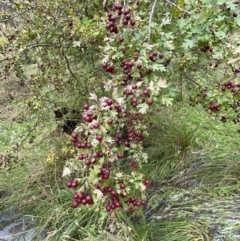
{"points": [[159, 67], [220, 34], [237, 20], [189, 43]]}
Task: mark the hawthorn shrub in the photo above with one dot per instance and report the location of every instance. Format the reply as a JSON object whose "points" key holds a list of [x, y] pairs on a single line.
{"points": [[116, 64]]}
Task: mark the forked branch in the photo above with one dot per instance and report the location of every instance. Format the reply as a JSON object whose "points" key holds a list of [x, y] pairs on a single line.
{"points": [[150, 20]]}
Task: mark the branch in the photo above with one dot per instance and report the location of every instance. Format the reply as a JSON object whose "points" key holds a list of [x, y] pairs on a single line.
{"points": [[192, 80], [68, 67], [150, 21], [176, 6]]}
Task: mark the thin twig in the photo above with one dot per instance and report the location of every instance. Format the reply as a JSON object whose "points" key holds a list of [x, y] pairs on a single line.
{"points": [[176, 6], [192, 80], [150, 21]]}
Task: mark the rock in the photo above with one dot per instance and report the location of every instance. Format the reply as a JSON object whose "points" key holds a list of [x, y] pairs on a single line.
{"points": [[17, 228]]}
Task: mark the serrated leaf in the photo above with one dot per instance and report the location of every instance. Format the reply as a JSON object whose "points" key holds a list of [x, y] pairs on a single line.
{"points": [[189, 43], [220, 34], [167, 101], [218, 55], [94, 142], [165, 21], [237, 20], [160, 67], [93, 96], [66, 172], [162, 83]]}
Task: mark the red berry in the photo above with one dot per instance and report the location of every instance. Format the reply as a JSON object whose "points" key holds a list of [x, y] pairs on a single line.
{"points": [[74, 135], [121, 39], [74, 184], [147, 182], [86, 106], [146, 91], [87, 162], [80, 157], [75, 204], [100, 154], [113, 206], [126, 11], [110, 121], [122, 186], [125, 22], [108, 208], [89, 199], [114, 193], [128, 16], [134, 86], [88, 145], [138, 203], [132, 22], [69, 184], [118, 204], [120, 155], [149, 102], [99, 137], [161, 55], [95, 125]]}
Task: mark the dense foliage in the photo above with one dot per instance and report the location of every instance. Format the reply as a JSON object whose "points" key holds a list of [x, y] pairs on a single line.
{"points": [[106, 65]]}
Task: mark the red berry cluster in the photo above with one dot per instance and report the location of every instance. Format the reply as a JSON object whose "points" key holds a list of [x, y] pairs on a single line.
{"points": [[231, 85], [153, 56], [232, 102], [133, 133], [127, 67], [112, 129], [133, 164], [121, 15], [206, 48], [72, 184], [133, 202], [81, 198], [214, 107], [90, 156], [108, 68]]}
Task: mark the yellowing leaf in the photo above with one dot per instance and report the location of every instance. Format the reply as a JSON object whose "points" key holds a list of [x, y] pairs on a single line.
{"points": [[93, 96], [98, 193], [143, 108], [167, 101], [162, 83], [119, 175]]}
